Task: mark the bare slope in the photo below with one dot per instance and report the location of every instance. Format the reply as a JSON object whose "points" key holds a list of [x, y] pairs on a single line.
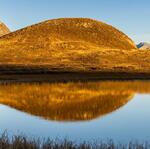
{"points": [[3, 29], [71, 44]]}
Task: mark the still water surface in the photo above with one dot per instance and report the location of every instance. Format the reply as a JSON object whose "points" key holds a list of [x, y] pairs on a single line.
{"points": [[77, 111]]}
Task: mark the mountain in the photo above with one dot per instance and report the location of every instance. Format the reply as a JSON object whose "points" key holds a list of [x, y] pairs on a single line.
{"points": [[70, 45], [143, 45], [3, 29]]}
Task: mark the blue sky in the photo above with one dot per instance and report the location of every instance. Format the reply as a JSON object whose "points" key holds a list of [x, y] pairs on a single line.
{"points": [[130, 16]]}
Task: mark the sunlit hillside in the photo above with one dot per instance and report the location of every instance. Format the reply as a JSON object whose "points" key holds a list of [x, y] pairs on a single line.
{"points": [[71, 101], [3, 29], [71, 44]]}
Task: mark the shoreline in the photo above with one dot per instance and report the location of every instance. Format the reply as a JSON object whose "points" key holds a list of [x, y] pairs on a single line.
{"points": [[70, 76]]}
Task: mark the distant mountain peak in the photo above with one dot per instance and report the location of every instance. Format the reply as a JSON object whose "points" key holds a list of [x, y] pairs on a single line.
{"points": [[3, 29], [143, 45]]}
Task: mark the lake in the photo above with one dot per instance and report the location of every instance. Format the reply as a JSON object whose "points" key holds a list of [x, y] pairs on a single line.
{"points": [[118, 110]]}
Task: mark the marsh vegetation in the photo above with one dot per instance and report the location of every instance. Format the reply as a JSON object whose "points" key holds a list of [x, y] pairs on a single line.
{"points": [[22, 142]]}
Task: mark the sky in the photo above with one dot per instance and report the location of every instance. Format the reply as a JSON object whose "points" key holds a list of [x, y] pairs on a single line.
{"points": [[130, 16]]}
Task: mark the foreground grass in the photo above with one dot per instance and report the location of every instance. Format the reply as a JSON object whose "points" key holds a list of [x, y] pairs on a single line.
{"points": [[21, 142]]}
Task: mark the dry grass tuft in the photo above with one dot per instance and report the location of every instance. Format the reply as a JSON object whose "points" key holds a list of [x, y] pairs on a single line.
{"points": [[21, 142]]}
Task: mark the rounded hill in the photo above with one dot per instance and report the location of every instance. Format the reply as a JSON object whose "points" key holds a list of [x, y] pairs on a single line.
{"points": [[70, 32], [68, 44]]}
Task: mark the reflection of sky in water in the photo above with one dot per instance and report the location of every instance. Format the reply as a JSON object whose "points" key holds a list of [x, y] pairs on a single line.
{"points": [[130, 122]]}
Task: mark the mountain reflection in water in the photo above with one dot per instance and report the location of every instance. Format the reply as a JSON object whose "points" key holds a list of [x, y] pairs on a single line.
{"points": [[71, 101]]}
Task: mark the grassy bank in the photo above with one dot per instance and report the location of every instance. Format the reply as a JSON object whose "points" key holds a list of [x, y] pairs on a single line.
{"points": [[21, 142]]}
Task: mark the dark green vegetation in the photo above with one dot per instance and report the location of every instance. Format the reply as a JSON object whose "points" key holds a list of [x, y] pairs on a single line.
{"points": [[21, 142]]}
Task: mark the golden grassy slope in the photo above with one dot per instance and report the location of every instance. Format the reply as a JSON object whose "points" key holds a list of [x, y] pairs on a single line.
{"points": [[64, 33], [73, 44], [3, 29]]}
